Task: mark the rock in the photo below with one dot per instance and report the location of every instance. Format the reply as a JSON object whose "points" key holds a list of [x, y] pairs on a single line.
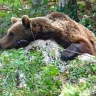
{"points": [[51, 50], [86, 57], [93, 93], [20, 77], [1, 66], [83, 80]]}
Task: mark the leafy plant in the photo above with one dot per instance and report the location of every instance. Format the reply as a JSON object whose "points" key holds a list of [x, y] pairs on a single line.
{"points": [[79, 70], [40, 78], [81, 79]]}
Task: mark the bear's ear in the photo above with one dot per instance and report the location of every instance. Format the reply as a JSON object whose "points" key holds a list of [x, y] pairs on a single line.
{"points": [[14, 20], [26, 21]]}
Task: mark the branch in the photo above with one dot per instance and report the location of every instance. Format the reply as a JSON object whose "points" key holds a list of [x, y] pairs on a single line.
{"points": [[6, 9]]}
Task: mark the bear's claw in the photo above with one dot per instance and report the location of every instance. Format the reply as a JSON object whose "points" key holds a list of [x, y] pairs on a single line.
{"points": [[68, 55], [21, 43]]}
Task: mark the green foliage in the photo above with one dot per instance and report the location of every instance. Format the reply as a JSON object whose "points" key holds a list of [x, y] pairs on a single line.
{"points": [[82, 6], [69, 9], [81, 78], [41, 79], [82, 89], [17, 8], [81, 70], [86, 22]]}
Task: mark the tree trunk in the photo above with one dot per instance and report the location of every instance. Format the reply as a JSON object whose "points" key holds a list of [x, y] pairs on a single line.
{"points": [[71, 7]]}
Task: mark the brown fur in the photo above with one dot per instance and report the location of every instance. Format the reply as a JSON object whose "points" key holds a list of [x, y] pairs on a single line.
{"points": [[55, 26]]}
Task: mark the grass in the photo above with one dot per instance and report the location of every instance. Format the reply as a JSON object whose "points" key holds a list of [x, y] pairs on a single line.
{"points": [[79, 78], [42, 79]]}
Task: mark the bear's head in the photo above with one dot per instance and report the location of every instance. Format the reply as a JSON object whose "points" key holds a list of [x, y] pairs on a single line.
{"points": [[18, 35]]}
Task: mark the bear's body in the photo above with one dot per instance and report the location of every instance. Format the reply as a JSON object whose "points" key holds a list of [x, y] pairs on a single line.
{"points": [[68, 33]]}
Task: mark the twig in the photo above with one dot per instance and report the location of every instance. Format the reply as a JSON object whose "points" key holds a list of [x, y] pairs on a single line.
{"points": [[6, 9]]}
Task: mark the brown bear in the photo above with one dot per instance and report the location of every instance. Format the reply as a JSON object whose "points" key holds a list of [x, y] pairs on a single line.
{"points": [[57, 26]]}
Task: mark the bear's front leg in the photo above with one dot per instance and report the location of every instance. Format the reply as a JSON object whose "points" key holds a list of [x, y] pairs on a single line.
{"points": [[74, 50], [21, 43], [71, 52]]}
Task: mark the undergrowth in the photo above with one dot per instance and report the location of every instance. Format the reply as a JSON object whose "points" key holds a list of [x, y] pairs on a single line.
{"points": [[42, 79], [79, 78]]}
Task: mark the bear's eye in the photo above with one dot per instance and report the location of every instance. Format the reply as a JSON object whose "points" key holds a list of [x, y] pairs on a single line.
{"points": [[11, 35]]}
